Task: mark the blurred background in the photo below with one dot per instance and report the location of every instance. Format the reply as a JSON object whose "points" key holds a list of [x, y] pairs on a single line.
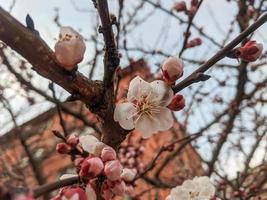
{"points": [[228, 112]]}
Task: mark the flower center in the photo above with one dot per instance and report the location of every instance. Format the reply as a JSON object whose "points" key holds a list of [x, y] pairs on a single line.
{"points": [[193, 195]]}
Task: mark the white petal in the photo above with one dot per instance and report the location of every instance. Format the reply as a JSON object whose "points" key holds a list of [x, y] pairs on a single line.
{"points": [[165, 119], [189, 185], [123, 114], [147, 126], [162, 93], [65, 176], [90, 192], [138, 88], [87, 142], [178, 193], [207, 192], [97, 148]]}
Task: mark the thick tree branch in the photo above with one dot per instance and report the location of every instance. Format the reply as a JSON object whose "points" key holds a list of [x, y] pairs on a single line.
{"points": [[28, 44]]}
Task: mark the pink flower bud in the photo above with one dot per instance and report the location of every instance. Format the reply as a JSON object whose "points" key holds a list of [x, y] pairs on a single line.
{"points": [[193, 43], [192, 11], [118, 188], [73, 140], [128, 174], [251, 51], [24, 197], [108, 154], [113, 170], [63, 148], [194, 2], [72, 192], [179, 6], [177, 103], [70, 48], [172, 69], [91, 167]]}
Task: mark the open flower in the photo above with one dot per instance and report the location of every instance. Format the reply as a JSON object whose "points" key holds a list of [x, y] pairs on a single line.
{"points": [[146, 109], [200, 188], [70, 48]]}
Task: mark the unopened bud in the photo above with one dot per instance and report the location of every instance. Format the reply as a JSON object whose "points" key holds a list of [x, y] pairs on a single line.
{"points": [[63, 148], [172, 69], [177, 103], [251, 51]]}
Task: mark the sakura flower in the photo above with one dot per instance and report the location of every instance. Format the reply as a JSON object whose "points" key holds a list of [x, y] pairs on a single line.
{"points": [[146, 109], [70, 48], [251, 51], [200, 188], [172, 69], [91, 144]]}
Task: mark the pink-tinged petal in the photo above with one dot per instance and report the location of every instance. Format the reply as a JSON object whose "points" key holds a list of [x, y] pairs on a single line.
{"points": [[87, 142], [123, 114], [70, 48], [90, 192], [172, 69], [178, 193], [108, 153], [147, 126], [118, 188], [91, 167], [138, 88], [161, 93], [113, 170], [97, 148], [165, 119]]}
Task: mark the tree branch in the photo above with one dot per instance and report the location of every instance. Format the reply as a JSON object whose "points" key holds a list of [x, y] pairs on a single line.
{"points": [[29, 45], [194, 77]]}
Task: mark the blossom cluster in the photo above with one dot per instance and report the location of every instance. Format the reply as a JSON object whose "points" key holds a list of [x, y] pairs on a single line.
{"points": [[101, 163], [148, 106]]}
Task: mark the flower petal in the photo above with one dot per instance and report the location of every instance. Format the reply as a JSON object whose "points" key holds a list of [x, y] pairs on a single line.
{"points": [[162, 93], [138, 88], [65, 176], [90, 192], [165, 119], [178, 193], [147, 126], [123, 114], [87, 142]]}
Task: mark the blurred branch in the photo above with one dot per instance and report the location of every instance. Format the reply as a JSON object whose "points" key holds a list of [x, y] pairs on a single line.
{"points": [[194, 77]]}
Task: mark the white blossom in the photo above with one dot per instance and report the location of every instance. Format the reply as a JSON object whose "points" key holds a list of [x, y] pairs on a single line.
{"points": [[70, 48], [145, 108], [200, 188], [91, 144]]}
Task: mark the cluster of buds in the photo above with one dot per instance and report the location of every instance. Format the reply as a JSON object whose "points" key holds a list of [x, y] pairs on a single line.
{"points": [[194, 43], [130, 156], [65, 147], [69, 49], [249, 52], [181, 7], [101, 163]]}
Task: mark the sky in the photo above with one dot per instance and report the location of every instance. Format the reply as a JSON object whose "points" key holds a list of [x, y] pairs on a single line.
{"points": [[214, 16]]}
